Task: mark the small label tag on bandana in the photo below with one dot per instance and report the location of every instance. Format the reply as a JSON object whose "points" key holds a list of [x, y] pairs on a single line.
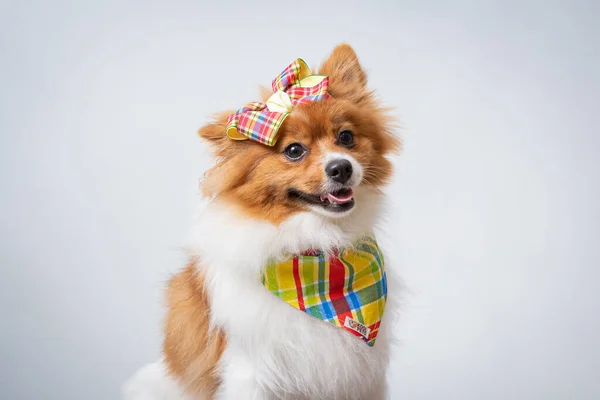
{"points": [[357, 327]]}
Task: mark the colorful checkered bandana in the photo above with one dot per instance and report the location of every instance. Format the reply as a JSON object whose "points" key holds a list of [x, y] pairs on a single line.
{"points": [[261, 121], [347, 288]]}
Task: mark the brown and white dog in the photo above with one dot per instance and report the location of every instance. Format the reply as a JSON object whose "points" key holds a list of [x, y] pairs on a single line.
{"points": [[226, 336]]}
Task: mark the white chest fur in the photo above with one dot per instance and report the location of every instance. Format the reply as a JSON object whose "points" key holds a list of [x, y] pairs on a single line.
{"points": [[274, 350]]}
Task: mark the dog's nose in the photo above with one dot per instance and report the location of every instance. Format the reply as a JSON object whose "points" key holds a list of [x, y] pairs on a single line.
{"points": [[339, 170]]}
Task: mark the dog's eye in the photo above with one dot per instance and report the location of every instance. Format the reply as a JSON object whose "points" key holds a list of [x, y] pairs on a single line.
{"points": [[294, 151], [345, 138]]}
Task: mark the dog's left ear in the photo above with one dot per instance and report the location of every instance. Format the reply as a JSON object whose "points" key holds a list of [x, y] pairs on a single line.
{"points": [[347, 79]]}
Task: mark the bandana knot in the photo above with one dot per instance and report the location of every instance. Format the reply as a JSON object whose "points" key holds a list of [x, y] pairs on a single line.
{"points": [[260, 121]]}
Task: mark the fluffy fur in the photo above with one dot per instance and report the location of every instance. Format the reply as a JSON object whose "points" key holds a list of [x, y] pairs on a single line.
{"points": [[226, 337]]}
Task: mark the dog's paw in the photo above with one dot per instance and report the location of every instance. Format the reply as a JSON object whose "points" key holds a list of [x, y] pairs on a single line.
{"points": [[153, 383]]}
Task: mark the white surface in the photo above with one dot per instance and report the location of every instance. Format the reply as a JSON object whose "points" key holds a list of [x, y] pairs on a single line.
{"points": [[496, 218]]}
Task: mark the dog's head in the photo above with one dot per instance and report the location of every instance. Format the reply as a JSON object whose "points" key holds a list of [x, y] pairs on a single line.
{"points": [[327, 151]]}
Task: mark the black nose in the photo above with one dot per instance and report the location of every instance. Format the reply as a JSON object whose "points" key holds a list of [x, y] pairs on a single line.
{"points": [[339, 170]]}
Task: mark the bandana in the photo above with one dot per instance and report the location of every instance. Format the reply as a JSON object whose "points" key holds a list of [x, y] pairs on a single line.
{"points": [[347, 288], [260, 121]]}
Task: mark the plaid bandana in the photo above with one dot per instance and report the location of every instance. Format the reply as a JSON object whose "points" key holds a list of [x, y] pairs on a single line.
{"points": [[261, 121], [347, 288]]}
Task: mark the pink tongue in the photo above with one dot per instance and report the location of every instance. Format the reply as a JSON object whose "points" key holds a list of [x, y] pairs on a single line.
{"points": [[341, 198]]}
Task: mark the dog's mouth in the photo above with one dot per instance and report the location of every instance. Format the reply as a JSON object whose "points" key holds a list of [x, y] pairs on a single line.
{"points": [[337, 201]]}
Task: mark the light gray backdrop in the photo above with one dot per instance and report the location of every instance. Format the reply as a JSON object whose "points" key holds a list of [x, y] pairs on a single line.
{"points": [[496, 216]]}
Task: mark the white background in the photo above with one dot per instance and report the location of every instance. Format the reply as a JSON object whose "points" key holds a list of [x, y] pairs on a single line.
{"points": [[496, 199]]}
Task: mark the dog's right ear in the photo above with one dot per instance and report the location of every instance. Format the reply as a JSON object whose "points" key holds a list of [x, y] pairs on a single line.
{"points": [[215, 134]]}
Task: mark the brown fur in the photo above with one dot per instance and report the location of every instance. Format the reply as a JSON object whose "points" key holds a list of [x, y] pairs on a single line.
{"points": [[256, 178], [191, 349]]}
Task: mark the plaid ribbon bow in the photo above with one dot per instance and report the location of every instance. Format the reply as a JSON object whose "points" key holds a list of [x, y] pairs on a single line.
{"points": [[260, 121], [347, 288]]}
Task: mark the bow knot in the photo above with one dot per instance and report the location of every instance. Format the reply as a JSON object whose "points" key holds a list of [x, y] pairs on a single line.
{"points": [[260, 121], [279, 102]]}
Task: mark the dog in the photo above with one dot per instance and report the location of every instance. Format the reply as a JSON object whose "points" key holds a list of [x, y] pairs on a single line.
{"points": [[298, 176]]}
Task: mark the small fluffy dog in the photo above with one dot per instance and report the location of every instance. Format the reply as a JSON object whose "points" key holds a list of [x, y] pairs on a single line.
{"points": [[284, 293]]}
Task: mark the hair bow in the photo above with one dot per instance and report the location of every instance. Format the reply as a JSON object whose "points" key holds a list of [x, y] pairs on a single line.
{"points": [[260, 121]]}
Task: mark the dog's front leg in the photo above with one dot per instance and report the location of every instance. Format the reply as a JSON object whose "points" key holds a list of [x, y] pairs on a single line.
{"points": [[238, 380], [379, 391]]}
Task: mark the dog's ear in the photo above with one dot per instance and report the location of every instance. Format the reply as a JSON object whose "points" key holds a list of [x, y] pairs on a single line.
{"points": [[215, 134], [347, 79], [225, 150]]}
